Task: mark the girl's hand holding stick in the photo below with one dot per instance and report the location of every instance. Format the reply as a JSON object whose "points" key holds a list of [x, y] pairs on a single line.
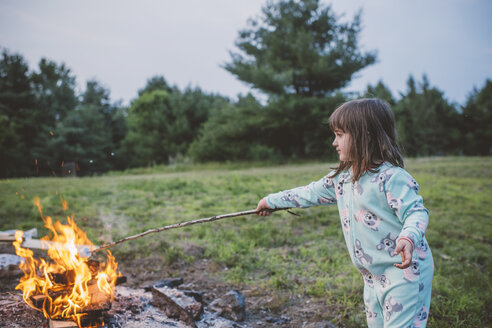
{"points": [[262, 206]]}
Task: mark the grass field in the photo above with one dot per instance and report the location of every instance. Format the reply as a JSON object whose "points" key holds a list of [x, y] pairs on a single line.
{"points": [[283, 253]]}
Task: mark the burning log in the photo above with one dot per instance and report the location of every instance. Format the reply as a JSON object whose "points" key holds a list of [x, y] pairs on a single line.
{"points": [[92, 315], [65, 278], [67, 285], [62, 324], [99, 301]]}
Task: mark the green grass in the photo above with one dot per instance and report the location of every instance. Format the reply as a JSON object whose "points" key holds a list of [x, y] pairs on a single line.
{"points": [[300, 255]]}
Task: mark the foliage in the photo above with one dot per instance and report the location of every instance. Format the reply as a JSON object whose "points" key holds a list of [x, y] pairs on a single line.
{"points": [[381, 91], [162, 125], [287, 127], [293, 259], [192, 108], [298, 126], [149, 120], [53, 86], [155, 83], [298, 47], [426, 122], [231, 133], [44, 123], [17, 117], [299, 54], [477, 122], [88, 134]]}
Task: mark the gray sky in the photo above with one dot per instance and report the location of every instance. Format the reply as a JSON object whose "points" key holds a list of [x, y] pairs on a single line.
{"points": [[123, 43]]}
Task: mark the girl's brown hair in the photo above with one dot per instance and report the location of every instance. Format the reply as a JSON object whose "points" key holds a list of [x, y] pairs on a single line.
{"points": [[373, 137]]}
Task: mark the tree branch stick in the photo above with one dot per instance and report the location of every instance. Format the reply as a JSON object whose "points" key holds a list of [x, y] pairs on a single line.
{"points": [[181, 225]]}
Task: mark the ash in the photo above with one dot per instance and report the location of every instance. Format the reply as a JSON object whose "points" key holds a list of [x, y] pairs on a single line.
{"points": [[132, 308]]}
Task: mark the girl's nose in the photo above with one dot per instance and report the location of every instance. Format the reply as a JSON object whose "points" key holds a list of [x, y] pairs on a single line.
{"points": [[334, 142]]}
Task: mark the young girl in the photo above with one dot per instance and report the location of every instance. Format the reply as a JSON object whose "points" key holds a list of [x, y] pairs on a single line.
{"points": [[381, 213]]}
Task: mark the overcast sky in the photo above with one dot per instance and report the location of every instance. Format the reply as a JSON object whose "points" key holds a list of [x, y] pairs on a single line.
{"points": [[123, 43]]}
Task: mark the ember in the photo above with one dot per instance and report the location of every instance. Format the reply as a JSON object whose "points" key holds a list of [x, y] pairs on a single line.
{"points": [[67, 285]]}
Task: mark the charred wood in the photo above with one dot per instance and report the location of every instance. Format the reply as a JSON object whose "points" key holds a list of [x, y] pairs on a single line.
{"points": [[169, 282], [120, 280], [183, 312], [198, 296]]}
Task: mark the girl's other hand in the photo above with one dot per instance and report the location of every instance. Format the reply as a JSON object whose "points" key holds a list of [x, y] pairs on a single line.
{"points": [[405, 248], [262, 208]]}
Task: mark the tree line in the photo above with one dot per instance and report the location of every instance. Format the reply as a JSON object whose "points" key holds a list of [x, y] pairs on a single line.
{"points": [[297, 54]]}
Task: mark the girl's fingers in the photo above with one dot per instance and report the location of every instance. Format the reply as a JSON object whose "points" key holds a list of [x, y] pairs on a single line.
{"points": [[406, 257], [398, 248], [259, 207], [401, 265], [262, 206]]}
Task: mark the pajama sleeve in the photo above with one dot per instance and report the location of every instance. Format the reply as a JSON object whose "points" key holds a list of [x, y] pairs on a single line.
{"points": [[321, 192], [402, 196]]}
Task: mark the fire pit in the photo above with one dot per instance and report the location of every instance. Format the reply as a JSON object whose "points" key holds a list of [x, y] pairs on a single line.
{"points": [[66, 286], [73, 291]]}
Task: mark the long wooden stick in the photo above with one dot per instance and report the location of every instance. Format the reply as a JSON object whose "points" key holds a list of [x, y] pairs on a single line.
{"points": [[183, 224]]}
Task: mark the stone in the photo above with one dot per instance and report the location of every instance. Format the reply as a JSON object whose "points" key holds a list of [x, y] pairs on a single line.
{"points": [[231, 306]]}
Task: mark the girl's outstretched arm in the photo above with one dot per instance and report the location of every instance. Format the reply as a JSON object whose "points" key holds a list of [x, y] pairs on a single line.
{"points": [[321, 192]]}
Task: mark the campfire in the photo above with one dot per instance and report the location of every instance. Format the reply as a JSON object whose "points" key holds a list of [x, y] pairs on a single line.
{"points": [[66, 286], [72, 290]]}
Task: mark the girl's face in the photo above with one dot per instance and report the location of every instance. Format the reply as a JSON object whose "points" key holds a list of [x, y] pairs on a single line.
{"points": [[342, 144]]}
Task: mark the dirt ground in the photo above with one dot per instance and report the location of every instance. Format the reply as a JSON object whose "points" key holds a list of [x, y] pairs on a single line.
{"points": [[264, 308]]}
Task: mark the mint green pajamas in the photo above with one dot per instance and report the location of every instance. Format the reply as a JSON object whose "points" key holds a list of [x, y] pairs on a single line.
{"points": [[374, 212]]}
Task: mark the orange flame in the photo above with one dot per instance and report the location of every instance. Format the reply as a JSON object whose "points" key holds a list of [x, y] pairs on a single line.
{"points": [[64, 203], [82, 284]]}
